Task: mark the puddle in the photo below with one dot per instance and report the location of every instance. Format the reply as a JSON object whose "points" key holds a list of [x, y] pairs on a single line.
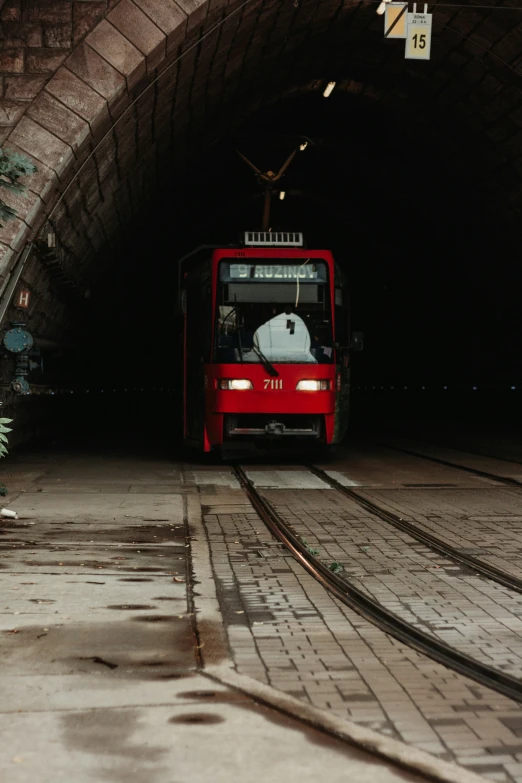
{"points": [[162, 651], [102, 661], [175, 676], [216, 696], [197, 717], [166, 598]]}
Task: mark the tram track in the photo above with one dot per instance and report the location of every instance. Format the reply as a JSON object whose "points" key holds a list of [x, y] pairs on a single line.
{"points": [[437, 544], [473, 452], [511, 482], [367, 607]]}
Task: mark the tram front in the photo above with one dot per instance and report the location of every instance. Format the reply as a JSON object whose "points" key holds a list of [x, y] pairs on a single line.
{"points": [[278, 371]]}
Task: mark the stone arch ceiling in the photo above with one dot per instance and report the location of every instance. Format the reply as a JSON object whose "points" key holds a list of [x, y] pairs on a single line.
{"points": [[112, 99]]}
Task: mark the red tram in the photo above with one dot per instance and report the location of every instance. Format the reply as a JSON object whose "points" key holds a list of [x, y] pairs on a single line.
{"points": [[266, 345]]}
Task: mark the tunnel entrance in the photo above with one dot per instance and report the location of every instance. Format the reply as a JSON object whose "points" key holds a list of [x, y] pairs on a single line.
{"points": [[409, 176]]}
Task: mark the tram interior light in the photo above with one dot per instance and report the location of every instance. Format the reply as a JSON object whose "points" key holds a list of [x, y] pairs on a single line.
{"points": [[322, 385], [382, 8], [303, 146], [282, 195], [329, 89], [235, 384]]}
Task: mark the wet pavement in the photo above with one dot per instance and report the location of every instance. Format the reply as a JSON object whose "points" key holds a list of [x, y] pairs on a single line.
{"points": [[102, 635]]}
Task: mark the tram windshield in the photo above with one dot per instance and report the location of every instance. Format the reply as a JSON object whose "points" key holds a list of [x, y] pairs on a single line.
{"points": [[274, 311]]}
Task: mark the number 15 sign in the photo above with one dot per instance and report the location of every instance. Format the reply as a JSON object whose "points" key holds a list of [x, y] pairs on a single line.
{"points": [[418, 37]]}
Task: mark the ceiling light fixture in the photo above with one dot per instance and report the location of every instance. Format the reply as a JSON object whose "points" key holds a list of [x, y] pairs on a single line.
{"points": [[282, 195], [303, 146], [382, 7], [329, 89]]}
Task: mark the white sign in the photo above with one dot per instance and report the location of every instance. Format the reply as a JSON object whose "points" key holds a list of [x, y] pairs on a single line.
{"points": [[24, 297], [418, 37], [395, 20]]}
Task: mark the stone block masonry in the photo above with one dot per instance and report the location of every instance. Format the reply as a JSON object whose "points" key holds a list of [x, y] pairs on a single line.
{"points": [[36, 37]]}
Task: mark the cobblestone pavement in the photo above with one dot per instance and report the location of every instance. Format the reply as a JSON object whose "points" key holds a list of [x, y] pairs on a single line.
{"points": [[487, 525], [471, 513], [286, 630], [441, 598]]}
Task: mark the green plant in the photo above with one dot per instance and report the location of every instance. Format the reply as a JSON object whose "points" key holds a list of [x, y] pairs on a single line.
{"points": [[3, 436], [309, 549], [335, 566], [13, 165]]}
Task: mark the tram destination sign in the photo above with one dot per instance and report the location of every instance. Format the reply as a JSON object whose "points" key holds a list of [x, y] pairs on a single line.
{"points": [[313, 273]]}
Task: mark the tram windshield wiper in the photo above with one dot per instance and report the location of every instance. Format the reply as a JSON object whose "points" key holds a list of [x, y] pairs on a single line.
{"points": [[271, 370], [238, 330]]}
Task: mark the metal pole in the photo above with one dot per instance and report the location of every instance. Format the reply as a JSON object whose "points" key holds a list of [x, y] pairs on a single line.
{"points": [[5, 301], [266, 209]]}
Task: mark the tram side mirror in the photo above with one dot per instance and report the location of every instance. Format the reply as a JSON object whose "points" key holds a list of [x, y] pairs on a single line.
{"points": [[357, 341]]}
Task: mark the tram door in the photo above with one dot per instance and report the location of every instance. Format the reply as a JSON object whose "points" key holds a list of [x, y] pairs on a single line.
{"points": [[342, 336], [197, 350]]}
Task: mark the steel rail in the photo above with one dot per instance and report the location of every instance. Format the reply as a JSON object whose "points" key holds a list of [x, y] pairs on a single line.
{"points": [[373, 611], [475, 471], [475, 452], [484, 569]]}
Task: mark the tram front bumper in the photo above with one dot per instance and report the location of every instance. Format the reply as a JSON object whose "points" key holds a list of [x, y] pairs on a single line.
{"points": [[272, 415]]}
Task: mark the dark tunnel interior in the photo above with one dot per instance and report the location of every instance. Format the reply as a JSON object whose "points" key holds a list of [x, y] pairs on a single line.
{"points": [[435, 288]]}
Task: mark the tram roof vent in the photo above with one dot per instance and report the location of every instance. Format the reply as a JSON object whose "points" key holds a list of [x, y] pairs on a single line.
{"points": [[274, 238]]}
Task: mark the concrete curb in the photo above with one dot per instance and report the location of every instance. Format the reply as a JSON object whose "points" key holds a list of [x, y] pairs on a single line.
{"points": [[218, 664], [210, 626], [366, 739]]}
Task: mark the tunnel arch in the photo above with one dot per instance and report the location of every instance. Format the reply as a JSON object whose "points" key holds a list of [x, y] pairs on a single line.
{"points": [[154, 82], [150, 75]]}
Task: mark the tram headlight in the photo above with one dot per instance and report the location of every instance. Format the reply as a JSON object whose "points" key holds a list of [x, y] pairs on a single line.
{"points": [[235, 384], [322, 385]]}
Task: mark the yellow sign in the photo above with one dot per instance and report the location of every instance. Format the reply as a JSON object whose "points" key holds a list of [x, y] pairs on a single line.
{"points": [[418, 38], [395, 20]]}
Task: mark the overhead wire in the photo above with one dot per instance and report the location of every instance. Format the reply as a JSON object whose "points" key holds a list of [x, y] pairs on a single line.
{"points": [[139, 97], [216, 27], [453, 5]]}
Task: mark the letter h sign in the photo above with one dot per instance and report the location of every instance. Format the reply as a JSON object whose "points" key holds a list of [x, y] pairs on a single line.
{"points": [[24, 297]]}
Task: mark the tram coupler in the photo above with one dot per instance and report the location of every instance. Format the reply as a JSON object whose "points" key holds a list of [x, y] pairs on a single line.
{"points": [[275, 428]]}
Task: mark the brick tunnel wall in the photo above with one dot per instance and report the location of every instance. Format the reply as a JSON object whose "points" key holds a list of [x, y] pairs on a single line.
{"points": [[36, 36], [60, 94]]}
